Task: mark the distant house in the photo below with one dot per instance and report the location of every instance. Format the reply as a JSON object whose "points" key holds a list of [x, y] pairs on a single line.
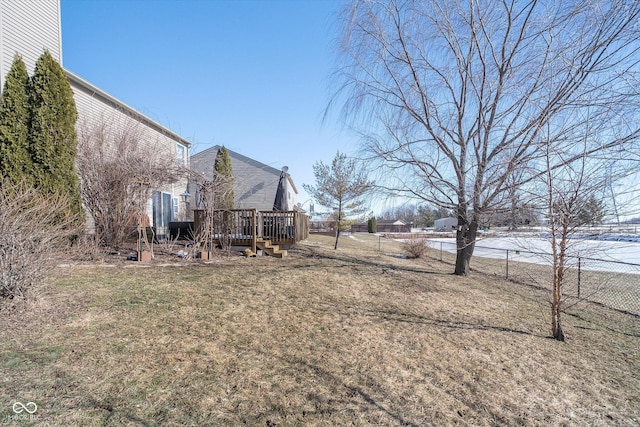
{"points": [[255, 183], [445, 224], [392, 226]]}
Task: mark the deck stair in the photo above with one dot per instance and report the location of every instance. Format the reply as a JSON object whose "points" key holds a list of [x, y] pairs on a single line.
{"points": [[249, 253], [270, 249]]}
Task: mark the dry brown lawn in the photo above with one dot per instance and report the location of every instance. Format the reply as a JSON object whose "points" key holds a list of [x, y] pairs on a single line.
{"points": [[323, 337]]}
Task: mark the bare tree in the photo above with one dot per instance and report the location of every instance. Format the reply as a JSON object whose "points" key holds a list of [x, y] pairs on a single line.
{"points": [[214, 224], [452, 94], [405, 213], [118, 171], [573, 195], [340, 187], [36, 232]]}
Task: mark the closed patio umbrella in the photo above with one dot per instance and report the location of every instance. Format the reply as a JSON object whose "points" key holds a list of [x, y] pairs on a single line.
{"points": [[280, 202]]}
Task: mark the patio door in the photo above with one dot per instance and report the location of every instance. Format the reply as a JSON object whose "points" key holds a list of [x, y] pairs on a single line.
{"points": [[162, 213]]}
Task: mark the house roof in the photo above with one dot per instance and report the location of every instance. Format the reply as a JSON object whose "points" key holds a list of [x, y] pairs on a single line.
{"points": [[390, 222], [203, 160], [209, 155], [99, 93]]}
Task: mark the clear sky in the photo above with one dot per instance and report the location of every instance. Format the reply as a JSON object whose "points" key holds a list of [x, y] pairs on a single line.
{"points": [[253, 75]]}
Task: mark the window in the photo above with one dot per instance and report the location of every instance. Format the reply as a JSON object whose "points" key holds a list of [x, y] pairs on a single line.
{"points": [[181, 152], [176, 206]]}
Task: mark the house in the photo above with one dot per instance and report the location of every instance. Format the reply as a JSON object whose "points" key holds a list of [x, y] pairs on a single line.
{"points": [[255, 184], [392, 226], [257, 218], [445, 224], [28, 28], [95, 105]]}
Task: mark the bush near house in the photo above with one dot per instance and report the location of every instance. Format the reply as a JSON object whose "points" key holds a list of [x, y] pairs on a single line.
{"points": [[15, 160], [36, 232], [40, 204]]}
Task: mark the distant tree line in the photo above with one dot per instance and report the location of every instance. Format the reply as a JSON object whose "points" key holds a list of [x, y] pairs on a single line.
{"points": [[591, 211], [419, 215]]}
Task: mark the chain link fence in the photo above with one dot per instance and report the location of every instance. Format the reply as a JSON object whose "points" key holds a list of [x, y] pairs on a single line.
{"points": [[614, 284]]}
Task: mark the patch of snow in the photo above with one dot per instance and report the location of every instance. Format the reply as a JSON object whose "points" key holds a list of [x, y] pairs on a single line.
{"points": [[602, 254]]}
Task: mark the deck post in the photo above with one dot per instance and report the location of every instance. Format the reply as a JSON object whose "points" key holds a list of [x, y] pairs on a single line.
{"points": [[295, 227], [254, 231]]}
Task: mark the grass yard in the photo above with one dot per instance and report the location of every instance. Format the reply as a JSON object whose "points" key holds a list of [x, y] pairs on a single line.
{"points": [[322, 337]]}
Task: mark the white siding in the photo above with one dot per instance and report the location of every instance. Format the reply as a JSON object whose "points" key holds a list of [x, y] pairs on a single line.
{"points": [[28, 27], [291, 193], [96, 107]]}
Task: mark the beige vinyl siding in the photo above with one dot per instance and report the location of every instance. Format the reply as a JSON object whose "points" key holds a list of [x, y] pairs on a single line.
{"points": [[96, 107], [28, 27]]}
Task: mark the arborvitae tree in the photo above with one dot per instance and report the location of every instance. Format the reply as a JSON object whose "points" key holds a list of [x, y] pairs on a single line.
{"points": [[52, 134], [372, 225], [223, 180], [14, 125]]}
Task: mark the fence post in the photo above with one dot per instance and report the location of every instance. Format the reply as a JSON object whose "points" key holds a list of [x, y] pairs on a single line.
{"points": [[579, 274], [379, 243], [507, 273], [254, 231]]}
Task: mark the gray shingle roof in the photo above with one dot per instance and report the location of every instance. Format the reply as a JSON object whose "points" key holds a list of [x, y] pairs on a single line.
{"points": [[255, 183]]}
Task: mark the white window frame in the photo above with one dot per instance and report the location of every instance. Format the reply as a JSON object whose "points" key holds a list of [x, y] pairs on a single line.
{"points": [[175, 205], [181, 153]]}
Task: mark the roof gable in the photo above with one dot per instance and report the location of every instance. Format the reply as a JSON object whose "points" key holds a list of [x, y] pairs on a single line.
{"points": [[255, 183], [208, 157]]}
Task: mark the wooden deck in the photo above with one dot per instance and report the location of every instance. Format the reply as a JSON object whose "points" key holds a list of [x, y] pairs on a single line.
{"points": [[244, 227]]}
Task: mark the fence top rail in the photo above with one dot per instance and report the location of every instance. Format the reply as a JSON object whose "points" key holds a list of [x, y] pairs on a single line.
{"points": [[612, 261], [279, 212], [252, 209], [226, 210]]}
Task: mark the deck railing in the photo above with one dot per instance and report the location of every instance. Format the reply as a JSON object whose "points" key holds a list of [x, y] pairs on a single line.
{"points": [[242, 227]]}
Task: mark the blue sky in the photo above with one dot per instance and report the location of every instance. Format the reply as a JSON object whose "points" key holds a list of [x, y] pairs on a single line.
{"points": [[251, 75]]}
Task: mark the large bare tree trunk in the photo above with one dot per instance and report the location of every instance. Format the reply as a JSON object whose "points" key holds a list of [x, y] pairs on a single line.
{"points": [[465, 243]]}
